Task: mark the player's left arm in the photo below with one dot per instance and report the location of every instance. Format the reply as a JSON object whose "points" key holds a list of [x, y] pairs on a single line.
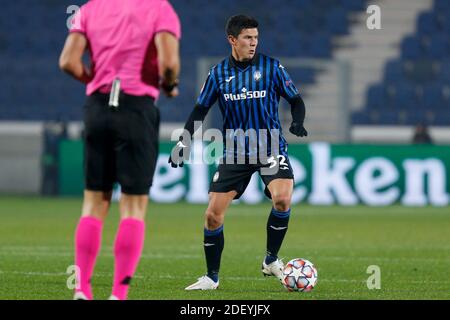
{"points": [[71, 58], [286, 88], [298, 112]]}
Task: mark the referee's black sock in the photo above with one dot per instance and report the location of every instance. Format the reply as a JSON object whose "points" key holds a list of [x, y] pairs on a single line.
{"points": [[213, 243], [277, 225]]}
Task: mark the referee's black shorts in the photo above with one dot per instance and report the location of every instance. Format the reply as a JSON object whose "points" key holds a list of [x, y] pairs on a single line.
{"points": [[120, 145]]}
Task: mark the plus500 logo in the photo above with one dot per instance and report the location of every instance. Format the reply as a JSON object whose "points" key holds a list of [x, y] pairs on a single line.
{"points": [[245, 95]]}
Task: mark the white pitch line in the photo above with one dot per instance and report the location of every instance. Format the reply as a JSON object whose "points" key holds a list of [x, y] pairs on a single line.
{"points": [[392, 247], [110, 255], [56, 274], [103, 274], [178, 256], [65, 248]]}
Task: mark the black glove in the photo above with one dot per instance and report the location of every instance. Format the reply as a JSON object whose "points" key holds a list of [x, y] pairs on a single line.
{"points": [[177, 155], [298, 130]]}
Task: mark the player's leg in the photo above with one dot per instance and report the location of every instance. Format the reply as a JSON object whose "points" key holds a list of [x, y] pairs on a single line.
{"points": [[279, 188], [99, 175], [96, 204], [88, 238], [229, 182], [129, 241], [213, 239], [277, 224], [136, 124]]}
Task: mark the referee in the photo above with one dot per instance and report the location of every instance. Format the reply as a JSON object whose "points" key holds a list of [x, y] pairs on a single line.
{"points": [[134, 52]]}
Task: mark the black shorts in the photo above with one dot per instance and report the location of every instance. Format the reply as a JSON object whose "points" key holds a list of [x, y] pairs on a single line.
{"points": [[120, 145], [236, 177]]}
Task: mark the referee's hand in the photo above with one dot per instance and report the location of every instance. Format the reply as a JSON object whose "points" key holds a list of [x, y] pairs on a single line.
{"points": [[172, 94], [176, 156], [170, 90], [298, 130]]}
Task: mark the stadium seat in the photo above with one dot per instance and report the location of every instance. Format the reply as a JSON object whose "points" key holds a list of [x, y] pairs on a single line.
{"points": [[376, 96], [393, 71], [444, 74], [437, 47], [420, 71], [360, 117], [417, 84], [320, 46], [353, 5], [426, 23], [441, 5], [432, 97], [403, 96], [336, 21], [411, 48], [445, 28], [383, 115]]}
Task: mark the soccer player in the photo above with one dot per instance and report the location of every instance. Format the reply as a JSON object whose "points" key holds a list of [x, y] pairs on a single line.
{"points": [[134, 50], [248, 86]]}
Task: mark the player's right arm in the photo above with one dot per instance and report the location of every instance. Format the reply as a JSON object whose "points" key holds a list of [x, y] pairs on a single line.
{"points": [[207, 98]]}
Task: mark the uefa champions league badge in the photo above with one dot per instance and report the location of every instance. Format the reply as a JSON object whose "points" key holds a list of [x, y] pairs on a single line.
{"points": [[257, 75]]}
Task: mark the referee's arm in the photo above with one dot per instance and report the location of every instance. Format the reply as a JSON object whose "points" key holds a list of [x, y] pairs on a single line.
{"points": [[70, 60], [167, 46]]}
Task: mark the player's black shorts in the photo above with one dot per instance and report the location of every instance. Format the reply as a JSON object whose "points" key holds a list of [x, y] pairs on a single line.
{"points": [[120, 145], [236, 177]]}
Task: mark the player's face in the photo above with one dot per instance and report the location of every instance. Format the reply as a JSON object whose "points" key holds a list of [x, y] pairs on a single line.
{"points": [[245, 44]]}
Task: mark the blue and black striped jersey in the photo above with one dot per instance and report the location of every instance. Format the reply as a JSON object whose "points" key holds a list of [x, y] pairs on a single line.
{"points": [[248, 98]]}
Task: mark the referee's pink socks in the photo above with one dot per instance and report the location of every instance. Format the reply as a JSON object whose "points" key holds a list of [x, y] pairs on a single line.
{"points": [[88, 238], [127, 252]]}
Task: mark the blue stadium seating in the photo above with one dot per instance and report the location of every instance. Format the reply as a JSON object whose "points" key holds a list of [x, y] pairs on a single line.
{"points": [[426, 23], [441, 5], [444, 74], [32, 34], [416, 86], [336, 21], [411, 48]]}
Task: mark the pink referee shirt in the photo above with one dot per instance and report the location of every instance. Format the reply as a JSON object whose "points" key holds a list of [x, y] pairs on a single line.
{"points": [[121, 40]]}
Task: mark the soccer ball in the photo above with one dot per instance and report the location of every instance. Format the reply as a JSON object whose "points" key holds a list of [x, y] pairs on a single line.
{"points": [[299, 275]]}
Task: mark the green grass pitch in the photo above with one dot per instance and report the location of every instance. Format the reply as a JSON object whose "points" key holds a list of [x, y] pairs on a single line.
{"points": [[410, 245]]}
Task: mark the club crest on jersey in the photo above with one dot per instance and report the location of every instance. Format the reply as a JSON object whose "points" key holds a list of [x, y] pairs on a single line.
{"points": [[257, 75]]}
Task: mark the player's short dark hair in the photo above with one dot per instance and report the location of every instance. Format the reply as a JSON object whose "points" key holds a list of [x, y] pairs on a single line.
{"points": [[236, 24]]}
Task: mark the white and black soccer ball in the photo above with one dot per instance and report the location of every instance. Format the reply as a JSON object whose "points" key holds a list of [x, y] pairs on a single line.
{"points": [[299, 275]]}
